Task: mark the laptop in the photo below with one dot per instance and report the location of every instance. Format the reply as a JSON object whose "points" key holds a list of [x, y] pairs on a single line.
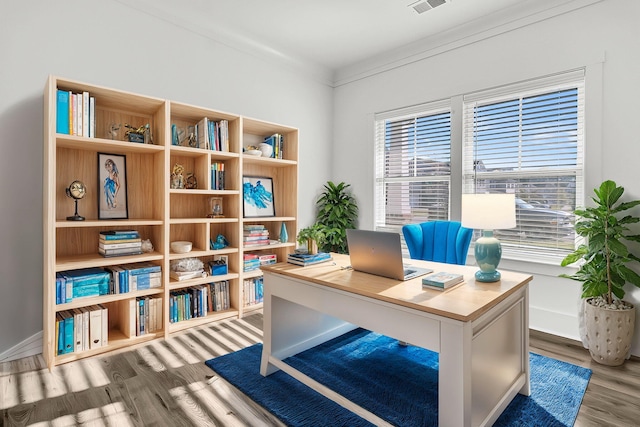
{"points": [[380, 253]]}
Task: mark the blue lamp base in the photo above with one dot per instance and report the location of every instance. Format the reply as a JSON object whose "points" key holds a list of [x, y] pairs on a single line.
{"points": [[488, 252]]}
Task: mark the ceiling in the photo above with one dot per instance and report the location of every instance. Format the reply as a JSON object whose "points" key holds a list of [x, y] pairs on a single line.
{"points": [[335, 34]]}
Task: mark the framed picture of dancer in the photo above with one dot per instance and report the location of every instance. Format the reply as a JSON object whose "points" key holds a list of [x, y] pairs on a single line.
{"points": [[257, 195], [112, 186]]}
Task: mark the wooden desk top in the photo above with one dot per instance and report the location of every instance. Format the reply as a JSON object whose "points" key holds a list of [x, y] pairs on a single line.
{"points": [[465, 302]]}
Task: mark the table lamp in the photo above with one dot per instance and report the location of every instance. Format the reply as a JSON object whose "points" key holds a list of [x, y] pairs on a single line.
{"points": [[488, 212]]}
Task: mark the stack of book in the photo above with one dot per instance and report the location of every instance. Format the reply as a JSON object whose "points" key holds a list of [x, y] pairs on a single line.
{"points": [[119, 243], [308, 259], [84, 282], [255, 235], [250, 262], [441, 280]]}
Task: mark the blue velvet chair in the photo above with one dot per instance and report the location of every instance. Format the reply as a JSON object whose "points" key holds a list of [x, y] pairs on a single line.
{"points": [[439, 241]]}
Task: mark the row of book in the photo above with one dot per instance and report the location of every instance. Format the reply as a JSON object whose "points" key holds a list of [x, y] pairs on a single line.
{"points": [[441, 280], [253, 291], [212, 135], [82, 329], [255, 235], [119, 243], [116, 279], [75, 114], [251, 262], [309, 259], [217, 176], [144, 316], [276, 141], [197, 301]]}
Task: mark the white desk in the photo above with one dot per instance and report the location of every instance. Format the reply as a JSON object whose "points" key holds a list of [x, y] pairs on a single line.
{"points": [[480, 330]]}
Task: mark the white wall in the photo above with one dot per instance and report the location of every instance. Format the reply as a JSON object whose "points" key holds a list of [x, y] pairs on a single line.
{"points": [[106, 43], [603, 37]]}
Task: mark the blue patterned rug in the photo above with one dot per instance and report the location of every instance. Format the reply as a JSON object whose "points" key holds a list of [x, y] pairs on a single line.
{"points": [[399, 384]]}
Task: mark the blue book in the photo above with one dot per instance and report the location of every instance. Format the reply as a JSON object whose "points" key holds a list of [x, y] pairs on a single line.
{"points": [[62, 112], [60, 333], [142, 268], [120, 236], [69, 337], [141, 317]]}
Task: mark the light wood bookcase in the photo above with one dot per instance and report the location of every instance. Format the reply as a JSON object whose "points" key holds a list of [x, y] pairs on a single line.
{"points": [[156, 211]]}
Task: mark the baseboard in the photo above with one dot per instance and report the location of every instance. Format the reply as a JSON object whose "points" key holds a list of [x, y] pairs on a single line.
{"points": [[554, 323], [29, 347]]}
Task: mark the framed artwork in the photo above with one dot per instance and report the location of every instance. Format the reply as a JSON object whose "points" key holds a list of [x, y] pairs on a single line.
{"points": [[112, 186], [257, 194]]}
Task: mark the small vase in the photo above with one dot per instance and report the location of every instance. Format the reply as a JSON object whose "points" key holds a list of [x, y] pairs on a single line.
{"points": [[284, 236]]}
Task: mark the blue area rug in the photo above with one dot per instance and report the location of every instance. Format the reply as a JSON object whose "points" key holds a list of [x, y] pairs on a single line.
{"points": [[399, 384]]}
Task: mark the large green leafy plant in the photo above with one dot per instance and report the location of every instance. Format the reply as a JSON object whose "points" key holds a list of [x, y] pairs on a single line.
{"points": [[337, 211], [605, 254]]}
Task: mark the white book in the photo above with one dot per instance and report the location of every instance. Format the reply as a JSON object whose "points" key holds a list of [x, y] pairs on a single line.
{"points": [[78, 117], [95, 327], [78, 328], [85, 329], [85, 114], [159, 314], [133, 316], [105, 325], [152, 314], [92, 117]]}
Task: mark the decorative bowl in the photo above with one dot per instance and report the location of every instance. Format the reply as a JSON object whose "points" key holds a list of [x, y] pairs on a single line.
{"points": [[181, 247], [266, 149], [253, 152]]}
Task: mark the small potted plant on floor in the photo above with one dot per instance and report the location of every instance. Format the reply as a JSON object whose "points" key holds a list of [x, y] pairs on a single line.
{"points": [[603, 258], [337, 211], [312, 236]]}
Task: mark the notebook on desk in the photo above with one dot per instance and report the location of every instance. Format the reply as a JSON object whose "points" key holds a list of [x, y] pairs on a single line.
{"points": [[380, 253]]}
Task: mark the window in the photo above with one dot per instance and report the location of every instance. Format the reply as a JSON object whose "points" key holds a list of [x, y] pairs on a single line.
{"points": [[413, 153], [528, 139]]}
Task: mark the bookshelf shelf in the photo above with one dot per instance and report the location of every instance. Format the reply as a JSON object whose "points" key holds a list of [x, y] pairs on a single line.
{"points": [[155, 210]]}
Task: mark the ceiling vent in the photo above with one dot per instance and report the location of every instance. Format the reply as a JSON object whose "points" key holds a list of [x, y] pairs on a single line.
{"points": [[424, 5]]}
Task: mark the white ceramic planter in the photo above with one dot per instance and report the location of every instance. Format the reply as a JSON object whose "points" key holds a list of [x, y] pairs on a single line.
{"points": [[609, 333]]}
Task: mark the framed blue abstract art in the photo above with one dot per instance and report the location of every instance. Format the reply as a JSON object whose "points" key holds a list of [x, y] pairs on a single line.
{"points": [[257, 192]]}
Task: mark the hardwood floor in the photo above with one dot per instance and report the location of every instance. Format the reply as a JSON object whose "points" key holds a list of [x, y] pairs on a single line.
{"points": [[166, 383]]}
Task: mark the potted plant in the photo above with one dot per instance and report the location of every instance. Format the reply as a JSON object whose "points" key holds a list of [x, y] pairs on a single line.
{"points": [[609, 321], [337, 211], [312, 236]]}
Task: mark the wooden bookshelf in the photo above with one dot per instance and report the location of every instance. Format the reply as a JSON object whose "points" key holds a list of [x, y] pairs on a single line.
{"points": [[157, 211]]}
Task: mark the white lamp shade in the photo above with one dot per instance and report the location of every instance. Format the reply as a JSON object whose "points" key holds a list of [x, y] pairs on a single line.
{"points": [[488, 211]]}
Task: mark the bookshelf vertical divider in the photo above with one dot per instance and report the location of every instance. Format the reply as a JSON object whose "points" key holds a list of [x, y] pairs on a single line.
{"points": [[157, 210]]}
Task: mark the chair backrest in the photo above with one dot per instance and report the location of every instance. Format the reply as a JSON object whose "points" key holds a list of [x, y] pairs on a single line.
{"points": [[439, 241]]}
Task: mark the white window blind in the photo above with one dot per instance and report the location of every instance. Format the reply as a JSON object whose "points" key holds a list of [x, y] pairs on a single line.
{"points": [[528, 139], [412, 165]]}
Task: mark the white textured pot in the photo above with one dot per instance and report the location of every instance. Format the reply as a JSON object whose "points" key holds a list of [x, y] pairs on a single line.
{"points": [[609, 333]]}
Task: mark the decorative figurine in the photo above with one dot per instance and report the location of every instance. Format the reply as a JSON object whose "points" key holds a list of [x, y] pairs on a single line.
{"points": [[177, 179], [140, 135], [191, 182], [215, 207], [221, 242], [113, 130]]}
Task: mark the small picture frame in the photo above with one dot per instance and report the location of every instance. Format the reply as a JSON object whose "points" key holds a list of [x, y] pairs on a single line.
{"points": [[223, 258], [112, 186], [257, 195]]}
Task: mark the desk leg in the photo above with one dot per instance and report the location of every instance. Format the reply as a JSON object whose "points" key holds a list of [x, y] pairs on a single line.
{"points": [[454, 378], [265, 367]]}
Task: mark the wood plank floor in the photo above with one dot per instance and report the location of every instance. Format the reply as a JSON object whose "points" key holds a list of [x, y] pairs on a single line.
{"points": [[165, 383]]}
